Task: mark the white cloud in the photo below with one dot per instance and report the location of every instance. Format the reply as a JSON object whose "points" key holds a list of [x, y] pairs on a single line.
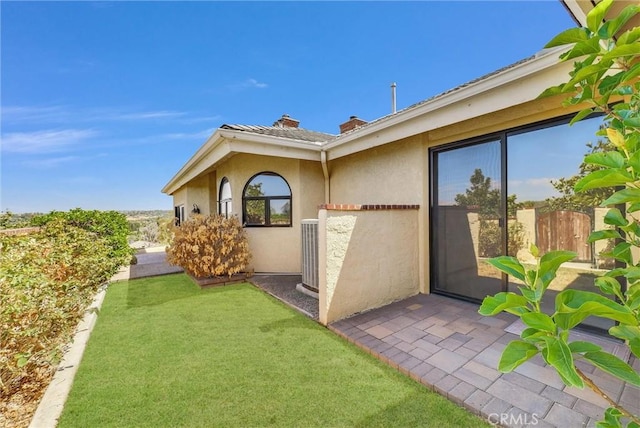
{"points": [[34, 114], [47, 141], [248, 84], [50, 162], [60, 114], [162, 114], [253, 83]]}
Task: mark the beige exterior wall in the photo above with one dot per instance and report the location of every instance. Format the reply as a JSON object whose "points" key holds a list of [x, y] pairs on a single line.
{"points": [[367, 259], [389, 174], [395, 174], [275, 249]]}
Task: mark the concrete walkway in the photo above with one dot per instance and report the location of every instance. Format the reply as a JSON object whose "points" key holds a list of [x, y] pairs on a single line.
{"points": [[152, 261], [447, 346]]}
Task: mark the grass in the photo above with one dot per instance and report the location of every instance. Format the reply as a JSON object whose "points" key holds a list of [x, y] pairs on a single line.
{"points": [[165, 353]]}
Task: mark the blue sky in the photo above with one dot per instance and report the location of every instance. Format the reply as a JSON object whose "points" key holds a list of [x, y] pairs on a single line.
{"points": [[102, 102]]}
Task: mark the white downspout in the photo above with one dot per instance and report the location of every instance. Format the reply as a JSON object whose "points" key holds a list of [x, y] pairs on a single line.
{"points": [[325, 171]]}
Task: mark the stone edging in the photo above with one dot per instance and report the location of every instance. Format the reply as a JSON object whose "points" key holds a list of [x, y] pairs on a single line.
{"points": [[52, 402]]}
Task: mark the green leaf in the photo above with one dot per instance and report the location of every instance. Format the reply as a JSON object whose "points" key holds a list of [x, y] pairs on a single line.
{"points": [[533, 335], [596, 15], [509, 265], [555, 90], [611, 419], [611, 27], [634, 162], [529, 294], [603, 178], [550, 262], [622, 252], [629, 36], [572, 35], [622, 51], [608, 83], [625, 332], [503, 301], [623, 196], [608, 159], [581, 346], [559, 356], [634, 345], [587, 71], [633, 207], [583, 48], [608, 285], [632, 121], [581, 115], [614, 217], [539, 321], [514, 354], [533, 249], [603, 234], [633, 72], [614, 366], [573, 306]]}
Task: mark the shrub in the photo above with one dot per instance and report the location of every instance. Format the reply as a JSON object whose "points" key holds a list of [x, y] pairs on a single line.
{"points": [[490, 239], [109, 225], [210, 246], [47, 279]]}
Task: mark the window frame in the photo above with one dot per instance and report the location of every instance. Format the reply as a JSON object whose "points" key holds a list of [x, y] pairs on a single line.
{"points": [[267, 202], [179, 216], [227, 202]]}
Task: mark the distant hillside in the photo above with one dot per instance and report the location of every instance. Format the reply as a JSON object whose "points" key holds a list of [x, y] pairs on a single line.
{"points": [[142, 214]]}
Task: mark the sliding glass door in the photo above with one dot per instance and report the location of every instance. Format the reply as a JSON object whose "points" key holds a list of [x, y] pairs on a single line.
{"points": [[467, 219], [500, 194]]}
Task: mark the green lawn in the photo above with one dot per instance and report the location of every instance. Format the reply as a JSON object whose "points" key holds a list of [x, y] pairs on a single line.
{"points": [[166, 354]]}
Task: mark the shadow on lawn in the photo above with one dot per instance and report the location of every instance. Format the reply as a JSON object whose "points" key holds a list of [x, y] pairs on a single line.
{"points": [[285, 324], [149, 292], [411, 412]]}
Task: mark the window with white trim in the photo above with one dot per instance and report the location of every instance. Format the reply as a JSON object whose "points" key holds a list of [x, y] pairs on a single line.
{"points": [[224, 198]]}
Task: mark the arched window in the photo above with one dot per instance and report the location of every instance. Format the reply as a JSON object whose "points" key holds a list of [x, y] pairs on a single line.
{"points": [[266, 201], [224, 198]]}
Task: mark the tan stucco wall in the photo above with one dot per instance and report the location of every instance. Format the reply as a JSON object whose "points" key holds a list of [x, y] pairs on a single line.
{"points": [[367, 259], [388, 174], [275, 249], [396, 174]]}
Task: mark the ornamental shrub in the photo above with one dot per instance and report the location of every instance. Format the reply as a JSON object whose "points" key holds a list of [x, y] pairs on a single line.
{"points": [[206, 246], [47, 280], [109, 225]]}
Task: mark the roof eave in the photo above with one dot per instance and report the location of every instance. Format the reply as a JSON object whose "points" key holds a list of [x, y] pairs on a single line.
{"points": [[542, 61], [240, 142]]}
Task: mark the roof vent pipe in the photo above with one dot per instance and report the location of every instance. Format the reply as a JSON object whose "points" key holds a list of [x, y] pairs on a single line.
{"points": [[393, 97]]}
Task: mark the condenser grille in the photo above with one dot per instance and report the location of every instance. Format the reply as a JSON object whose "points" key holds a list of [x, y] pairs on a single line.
{"points": [[310, 254]]}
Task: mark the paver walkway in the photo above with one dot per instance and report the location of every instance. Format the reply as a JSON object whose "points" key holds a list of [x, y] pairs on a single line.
{"points": [[151, 262], [446, 345]]}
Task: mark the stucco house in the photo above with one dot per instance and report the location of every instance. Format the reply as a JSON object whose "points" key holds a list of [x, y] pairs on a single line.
{"points": [[393, 197]]}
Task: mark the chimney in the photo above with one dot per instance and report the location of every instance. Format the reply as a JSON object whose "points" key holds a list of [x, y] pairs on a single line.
{"points": [[352, 123], [286, 122]]}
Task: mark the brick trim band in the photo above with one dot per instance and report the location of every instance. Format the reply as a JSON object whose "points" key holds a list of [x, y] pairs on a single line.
{"points": [[358, 207]]}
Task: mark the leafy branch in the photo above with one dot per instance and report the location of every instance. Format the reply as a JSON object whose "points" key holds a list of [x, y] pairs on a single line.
{"points": [[605, 79]]}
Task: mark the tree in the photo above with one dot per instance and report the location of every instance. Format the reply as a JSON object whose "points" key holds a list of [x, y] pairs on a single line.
{"points": [[586, 200], [481, 195], [606, 68]]}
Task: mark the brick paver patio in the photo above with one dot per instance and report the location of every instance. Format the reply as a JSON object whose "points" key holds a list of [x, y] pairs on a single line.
{"points": [[446, 345]]}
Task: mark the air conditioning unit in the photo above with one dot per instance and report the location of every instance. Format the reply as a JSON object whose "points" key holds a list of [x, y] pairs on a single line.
{"points": [[310, 255]]}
